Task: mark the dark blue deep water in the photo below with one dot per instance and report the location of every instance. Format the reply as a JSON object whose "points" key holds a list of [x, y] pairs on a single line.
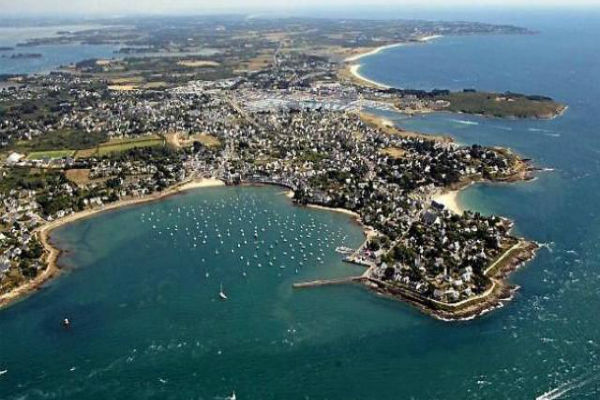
{"points": [[147, 324]]}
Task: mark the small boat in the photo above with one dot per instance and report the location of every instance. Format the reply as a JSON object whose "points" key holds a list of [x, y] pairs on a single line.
{"points": [[222, 294], [232, 397], [66, 323]]}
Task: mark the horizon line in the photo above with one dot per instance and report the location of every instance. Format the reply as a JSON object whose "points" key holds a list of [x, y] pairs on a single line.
{"points": [[305, 11]]}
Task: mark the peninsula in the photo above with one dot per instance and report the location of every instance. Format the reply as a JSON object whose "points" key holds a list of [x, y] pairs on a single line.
{"points": [[108, 133]]}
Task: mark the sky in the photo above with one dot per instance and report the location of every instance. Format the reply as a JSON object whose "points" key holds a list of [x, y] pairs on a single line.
{"points": [[120, 7]]}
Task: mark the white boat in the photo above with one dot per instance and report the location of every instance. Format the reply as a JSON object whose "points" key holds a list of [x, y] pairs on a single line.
{"points": [[232, 397], [222, 294]]}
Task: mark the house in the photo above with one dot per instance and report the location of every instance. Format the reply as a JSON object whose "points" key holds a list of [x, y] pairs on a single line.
{"points": [[14, 158]]}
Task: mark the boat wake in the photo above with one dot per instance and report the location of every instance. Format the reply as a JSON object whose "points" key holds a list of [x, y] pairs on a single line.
{"points": [[503, 128], [545, 132], [538, 130], [566, 387], [465, 122]]}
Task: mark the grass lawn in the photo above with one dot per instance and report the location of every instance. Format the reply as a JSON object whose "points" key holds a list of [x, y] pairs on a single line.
{"points": [[37, 155], [123, 145], [117, 145]]}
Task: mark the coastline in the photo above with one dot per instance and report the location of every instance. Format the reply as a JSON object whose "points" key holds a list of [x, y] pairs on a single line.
{"points": [[430, 37], [449, 199], [388, 126], [354, 68], [494, 297], [354, 71], [53, 253], [498, 294], [339, 210], [373, 51]]}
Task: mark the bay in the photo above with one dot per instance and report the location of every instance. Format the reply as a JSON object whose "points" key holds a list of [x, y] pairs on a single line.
{"points": [[147, 322]]}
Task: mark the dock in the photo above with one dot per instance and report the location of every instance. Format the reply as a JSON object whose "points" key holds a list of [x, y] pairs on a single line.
{"points": [[328, 282]]}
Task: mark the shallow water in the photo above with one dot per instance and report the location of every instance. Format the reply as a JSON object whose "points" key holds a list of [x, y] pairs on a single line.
{"points": [[147, 322]]}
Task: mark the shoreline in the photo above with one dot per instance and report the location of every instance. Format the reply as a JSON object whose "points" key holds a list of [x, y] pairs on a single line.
{"points": [[374, 51], [337, 209], [496, 296], [429, 38], [449, 199], [53, 253], [354, 71], [354, 68]]}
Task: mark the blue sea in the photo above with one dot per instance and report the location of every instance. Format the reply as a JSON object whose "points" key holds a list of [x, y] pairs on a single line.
{"points": [[141, 286]]}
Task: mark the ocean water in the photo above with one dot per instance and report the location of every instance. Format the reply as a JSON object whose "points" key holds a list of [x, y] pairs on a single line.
{"points": [[547, 338], [53, 56], [147, 322]]}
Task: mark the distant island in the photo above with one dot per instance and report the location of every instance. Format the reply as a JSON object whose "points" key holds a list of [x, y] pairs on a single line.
{"points": [[17, 56], [282, 108]]}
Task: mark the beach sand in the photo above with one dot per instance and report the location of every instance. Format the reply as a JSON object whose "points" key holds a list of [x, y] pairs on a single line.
{"points": [[52, 253], [354, 70], [429, 38], [450, 201], [372, 52], [201, 183], [340, 210]]}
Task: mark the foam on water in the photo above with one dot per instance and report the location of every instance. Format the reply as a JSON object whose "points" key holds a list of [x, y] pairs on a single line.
{"points": [[465, 122]]}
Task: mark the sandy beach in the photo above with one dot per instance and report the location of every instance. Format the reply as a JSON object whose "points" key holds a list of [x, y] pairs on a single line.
{"points": [[340, 210], [450, 200], [201, 183], [428, 38], [52, 253], [372, 52], [355, 71]]}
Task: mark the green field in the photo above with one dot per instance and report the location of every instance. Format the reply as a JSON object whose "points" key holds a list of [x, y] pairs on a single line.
{"points": [[37, 155], [123, 146], [59, 151], [58, 140], [119, 145]]}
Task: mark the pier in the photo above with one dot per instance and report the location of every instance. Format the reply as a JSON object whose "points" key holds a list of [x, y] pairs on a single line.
{"points": [[328, 282]]}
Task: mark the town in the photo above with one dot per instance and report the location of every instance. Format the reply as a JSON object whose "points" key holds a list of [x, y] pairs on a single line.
{"points": [[75, 140]]}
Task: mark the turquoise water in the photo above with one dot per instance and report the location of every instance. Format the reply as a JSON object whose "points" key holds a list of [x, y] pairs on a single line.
{"points": [[53, 56], [147, 322], [548, 337]]}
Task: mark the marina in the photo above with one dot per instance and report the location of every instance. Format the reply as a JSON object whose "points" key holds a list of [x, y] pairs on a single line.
{"points": [[202, 294]]}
